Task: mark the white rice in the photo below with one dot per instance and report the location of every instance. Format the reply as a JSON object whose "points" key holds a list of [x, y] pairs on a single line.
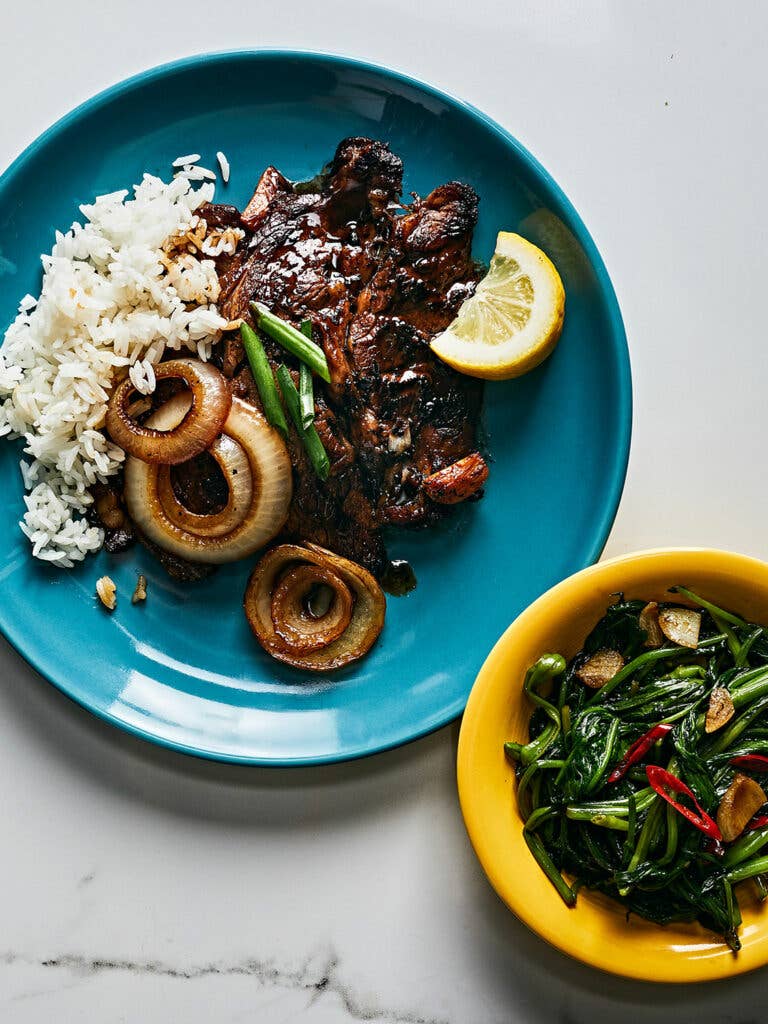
{"points": [[224, 165], [222, 241], [113, 299], [193, 172], [186, 161], [143, 376]]}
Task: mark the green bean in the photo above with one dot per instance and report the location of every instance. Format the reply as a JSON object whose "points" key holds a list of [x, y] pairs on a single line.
{"points": [[292, 341], [264, 379]]}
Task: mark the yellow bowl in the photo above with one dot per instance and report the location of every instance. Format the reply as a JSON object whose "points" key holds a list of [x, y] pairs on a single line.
{"points": [[596, 930]]}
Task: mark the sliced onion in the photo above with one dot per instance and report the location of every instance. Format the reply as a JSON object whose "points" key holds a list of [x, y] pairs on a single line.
{"points": [[271, 490], [207, 413], [233, 463], [291, 613], [277, 607]]}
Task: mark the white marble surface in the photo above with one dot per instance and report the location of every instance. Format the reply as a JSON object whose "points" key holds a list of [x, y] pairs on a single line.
{"points": [[142, 886]]}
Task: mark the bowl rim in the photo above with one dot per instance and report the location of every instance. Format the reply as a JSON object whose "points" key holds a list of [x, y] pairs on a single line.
{"points": [[615, 478], [612, 960]]}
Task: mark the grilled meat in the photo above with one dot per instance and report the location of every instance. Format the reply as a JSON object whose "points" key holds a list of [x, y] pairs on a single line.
{"points": [[378, 280]]}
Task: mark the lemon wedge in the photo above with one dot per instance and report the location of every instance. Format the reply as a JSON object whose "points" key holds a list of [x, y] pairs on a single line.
{"points": [[514, 319]]}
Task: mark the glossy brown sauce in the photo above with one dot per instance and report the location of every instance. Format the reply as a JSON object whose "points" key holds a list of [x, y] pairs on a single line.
{"points": [[200, 485], [399, 578]]}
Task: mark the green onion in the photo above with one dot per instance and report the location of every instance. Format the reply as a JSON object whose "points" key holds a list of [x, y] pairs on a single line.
{"points": [[309, 437], [265, 381], [292, 341], [306, 391], [306, 397]]}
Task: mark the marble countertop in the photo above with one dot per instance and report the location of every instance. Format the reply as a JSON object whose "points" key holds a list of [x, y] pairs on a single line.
{"points": [[142, 885]]}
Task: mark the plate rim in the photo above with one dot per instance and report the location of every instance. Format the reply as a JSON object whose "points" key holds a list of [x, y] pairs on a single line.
{"points": [[602, 526]]}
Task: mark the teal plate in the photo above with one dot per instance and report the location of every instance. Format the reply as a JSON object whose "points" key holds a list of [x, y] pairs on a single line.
{"points": [[183, 669]]}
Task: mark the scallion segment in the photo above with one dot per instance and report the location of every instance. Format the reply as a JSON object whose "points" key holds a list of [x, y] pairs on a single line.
{"points": [[309, 437], [264, 378], [306, 397], [292, 341], [306, 391]]}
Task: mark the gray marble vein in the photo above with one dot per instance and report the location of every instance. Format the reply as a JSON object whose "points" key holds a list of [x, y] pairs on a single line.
{"points": [[318, 976]]}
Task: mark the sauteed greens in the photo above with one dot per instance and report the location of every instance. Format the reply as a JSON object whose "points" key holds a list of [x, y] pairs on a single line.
{"points": [[641, 775]]}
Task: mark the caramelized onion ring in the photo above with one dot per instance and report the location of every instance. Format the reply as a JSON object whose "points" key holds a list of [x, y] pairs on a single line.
{"points": [[300, 631], [276, 588], [207, 413], [271, 481], [233, 463]]}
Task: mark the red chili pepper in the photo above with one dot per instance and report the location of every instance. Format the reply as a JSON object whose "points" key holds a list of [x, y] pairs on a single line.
{"points": [[661, 780], [752, 762], [638, 750], [759, 821]]}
